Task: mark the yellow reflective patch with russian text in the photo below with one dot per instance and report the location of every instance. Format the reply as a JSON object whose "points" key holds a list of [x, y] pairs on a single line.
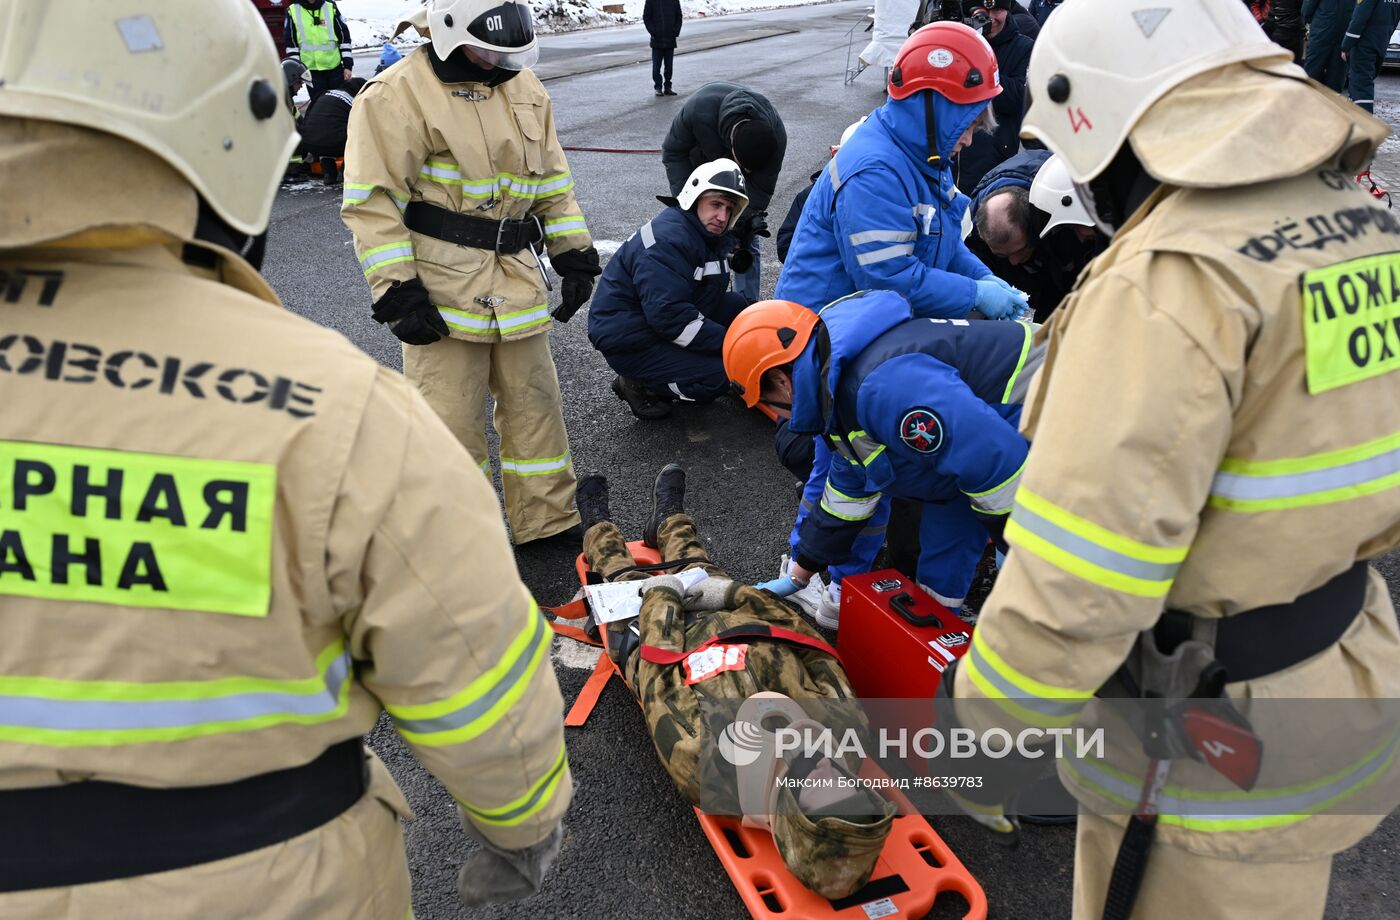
{"points": [[1351, 321], [135, 529]]}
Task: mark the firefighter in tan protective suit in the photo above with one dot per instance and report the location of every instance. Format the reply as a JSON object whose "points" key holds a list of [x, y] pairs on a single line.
{"points": [[1215, 434], [455, 184], [228, 539]]}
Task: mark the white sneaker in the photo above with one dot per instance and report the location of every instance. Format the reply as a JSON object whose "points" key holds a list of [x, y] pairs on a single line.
{"points": [[828, 615], [809, 598]]}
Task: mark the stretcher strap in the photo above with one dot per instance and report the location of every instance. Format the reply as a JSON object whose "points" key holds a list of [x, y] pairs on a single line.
{"points": [[771, 633], [574, 610], [592, 690]]}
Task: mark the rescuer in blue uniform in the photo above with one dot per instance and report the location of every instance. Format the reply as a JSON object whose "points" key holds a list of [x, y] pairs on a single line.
{"points": [[915, 408], [886, 214], [663, 303]]}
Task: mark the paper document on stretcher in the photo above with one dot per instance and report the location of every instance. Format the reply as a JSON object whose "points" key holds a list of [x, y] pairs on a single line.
{"points": [[622, 600]]}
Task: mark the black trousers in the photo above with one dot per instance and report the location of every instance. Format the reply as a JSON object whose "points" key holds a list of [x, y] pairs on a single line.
{"points": [[660, 57], [323, 81]]}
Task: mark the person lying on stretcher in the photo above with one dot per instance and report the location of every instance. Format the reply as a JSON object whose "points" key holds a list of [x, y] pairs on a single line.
{"points": [[720, 640]]}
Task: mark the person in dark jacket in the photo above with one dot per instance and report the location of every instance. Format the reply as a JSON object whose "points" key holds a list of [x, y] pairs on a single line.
{"points": [[1327, 24], [1008, 235], [324, 128], [1013, 53], [1041, 9], [663, 304], [1285, 26], [725, 120], [794, 214], [1363, 47], [316, 35], [663, 21], [1025, 20]]}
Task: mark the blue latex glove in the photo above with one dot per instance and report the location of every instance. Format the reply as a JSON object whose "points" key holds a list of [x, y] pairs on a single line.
{"points": [[998, 300], [780, 586]]}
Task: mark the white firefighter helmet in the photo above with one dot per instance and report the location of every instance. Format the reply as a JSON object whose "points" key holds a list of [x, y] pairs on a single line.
{"points": [[1098, 65], [1054, 192], [197, 84], [720, 175], [500, 32], [849, 133]]}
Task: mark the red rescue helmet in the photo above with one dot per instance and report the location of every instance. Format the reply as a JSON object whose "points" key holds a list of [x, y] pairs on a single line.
{"points": [[765, 335], [949, 58]]}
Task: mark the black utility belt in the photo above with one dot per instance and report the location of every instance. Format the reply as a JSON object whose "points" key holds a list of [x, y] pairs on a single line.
{"points": [[78, 833], [1265, 640], [503, 237]]}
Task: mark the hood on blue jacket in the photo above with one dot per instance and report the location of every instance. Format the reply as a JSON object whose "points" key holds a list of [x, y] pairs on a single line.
{"points": [[904, 120], [1020, 171], [851, 324]]}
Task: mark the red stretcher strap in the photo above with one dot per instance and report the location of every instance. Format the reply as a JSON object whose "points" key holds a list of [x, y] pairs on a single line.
{"points": [[770, 633], [574, 610], [592, 689]]}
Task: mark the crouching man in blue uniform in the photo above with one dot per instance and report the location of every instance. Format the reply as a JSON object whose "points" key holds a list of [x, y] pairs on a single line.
{"points": [[663, 303], [924, 409]]}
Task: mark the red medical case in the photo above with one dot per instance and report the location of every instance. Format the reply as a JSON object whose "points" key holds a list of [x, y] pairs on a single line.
{"points": [[895, 640]]}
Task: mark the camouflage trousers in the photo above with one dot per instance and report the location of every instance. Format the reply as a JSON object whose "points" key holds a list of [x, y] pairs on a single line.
{"points": [[686, 711]]}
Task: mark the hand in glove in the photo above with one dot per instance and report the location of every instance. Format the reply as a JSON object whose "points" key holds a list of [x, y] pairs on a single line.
{"points": [[496, 875], [752, 224], [410, 313], [713, 593], [998, 300], [577, 268], [781, 586], [741, 260], [575, 291]]}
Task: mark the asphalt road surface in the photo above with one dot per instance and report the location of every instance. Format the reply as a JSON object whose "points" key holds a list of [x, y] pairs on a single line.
{"points": [[633, 848]]}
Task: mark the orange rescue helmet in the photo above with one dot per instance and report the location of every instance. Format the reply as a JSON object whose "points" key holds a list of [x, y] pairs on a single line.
{"points": [[765, 335], [949, 58]]}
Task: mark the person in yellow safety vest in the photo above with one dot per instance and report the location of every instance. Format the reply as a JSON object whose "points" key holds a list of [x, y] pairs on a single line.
{"points": [[316, 35], [455, 183], [228, 539], [1215, 441]]}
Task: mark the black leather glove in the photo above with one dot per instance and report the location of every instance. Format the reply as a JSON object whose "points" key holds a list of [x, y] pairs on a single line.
{"points": [[410, 314], [574, 291], [741, 260], [750, 225], [577, 268]]}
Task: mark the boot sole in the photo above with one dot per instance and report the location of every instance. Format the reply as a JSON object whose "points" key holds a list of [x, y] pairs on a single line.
{"points": [[652, 535]]}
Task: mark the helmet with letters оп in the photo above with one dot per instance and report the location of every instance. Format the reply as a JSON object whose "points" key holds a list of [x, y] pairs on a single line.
{"points": [[722, 176], [198, 85], [501, 34]]}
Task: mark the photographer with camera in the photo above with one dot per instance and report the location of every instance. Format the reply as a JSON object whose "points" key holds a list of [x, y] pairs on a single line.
{"points": [[1001, 27]]}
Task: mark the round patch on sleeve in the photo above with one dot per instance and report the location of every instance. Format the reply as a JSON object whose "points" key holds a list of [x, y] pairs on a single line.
{"points": [[922, 430]]}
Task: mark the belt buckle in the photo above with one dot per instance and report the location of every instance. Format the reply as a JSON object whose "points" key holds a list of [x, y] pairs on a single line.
{"points": [[500, 234]]}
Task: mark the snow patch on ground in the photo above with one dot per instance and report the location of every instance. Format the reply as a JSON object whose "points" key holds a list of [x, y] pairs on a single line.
{"points": [[606, 247], [573, 654], [372, 22]]}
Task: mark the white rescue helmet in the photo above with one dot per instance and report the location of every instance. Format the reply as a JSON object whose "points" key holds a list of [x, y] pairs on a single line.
{"points": [[500, 33], [197, 84], [1098, 65], [722, 176], [849, 133], [1054, 192]]}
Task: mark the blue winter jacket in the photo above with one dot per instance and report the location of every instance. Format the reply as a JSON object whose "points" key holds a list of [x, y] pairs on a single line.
{"points": [[923, 409], [881, 218], [659, 286]]}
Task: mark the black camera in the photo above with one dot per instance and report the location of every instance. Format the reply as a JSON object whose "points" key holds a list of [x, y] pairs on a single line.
{"points": [[981, 20]]}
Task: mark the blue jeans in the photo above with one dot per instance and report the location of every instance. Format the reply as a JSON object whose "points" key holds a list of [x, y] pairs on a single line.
{"points": [[748, 283]]}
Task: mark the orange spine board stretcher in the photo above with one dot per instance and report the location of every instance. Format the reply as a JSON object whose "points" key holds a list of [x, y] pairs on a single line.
{"points": [[915, 867]]}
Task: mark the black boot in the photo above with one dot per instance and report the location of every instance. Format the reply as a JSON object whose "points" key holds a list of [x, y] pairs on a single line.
{"points": [[591, 498], [643, 402], [667, 498], [330, 171]]}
